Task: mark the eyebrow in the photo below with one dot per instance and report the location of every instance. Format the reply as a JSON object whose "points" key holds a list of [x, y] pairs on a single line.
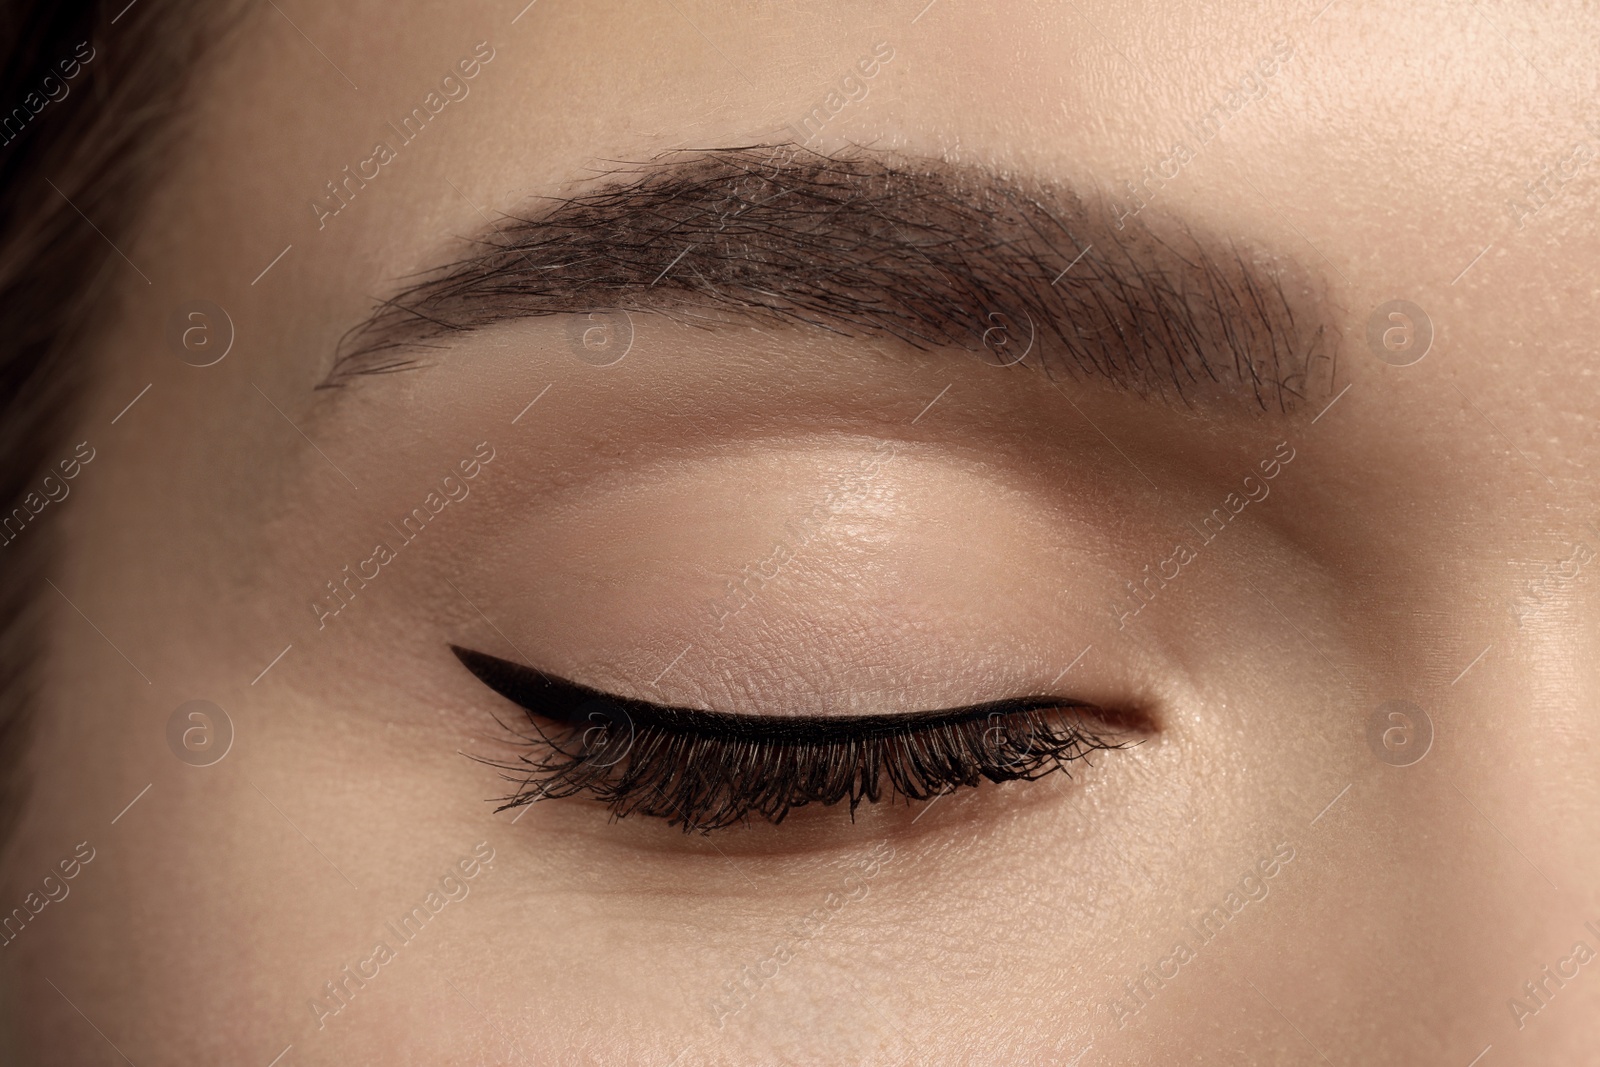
{"points": [[930, 254]]}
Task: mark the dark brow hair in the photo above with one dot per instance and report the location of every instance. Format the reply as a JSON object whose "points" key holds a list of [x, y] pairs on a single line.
{"points": [[933, 255], [74, 149]]}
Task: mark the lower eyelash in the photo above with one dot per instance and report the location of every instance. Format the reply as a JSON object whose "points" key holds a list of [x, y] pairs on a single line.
{"points": [[706, 771]]}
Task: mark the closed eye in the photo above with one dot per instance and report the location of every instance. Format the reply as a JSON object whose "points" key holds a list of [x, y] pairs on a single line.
{"points": [[707, 770]]}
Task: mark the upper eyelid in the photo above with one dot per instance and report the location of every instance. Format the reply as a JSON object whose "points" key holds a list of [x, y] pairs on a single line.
{"points": [[565, 702], [922, 252], [706, 779]]}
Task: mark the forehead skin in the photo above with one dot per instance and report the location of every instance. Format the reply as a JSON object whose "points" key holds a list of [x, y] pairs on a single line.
{"points": [[1436, 513]]}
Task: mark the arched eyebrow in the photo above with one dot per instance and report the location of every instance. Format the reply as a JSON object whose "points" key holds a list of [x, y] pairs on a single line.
{"points": [[933, 255]]}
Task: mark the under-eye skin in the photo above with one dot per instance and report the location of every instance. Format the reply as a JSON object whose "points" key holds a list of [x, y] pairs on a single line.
{"points": [[707, 770]]}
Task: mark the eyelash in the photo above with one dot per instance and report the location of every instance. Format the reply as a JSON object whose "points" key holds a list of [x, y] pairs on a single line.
{"points": [[706, 771]]}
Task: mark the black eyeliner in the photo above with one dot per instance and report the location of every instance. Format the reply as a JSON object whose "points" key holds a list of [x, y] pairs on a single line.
{"points": [[577, 705], [706, 770]]}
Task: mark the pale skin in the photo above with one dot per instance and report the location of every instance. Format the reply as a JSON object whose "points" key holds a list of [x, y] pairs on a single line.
{"points": [[1423, 544]]}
